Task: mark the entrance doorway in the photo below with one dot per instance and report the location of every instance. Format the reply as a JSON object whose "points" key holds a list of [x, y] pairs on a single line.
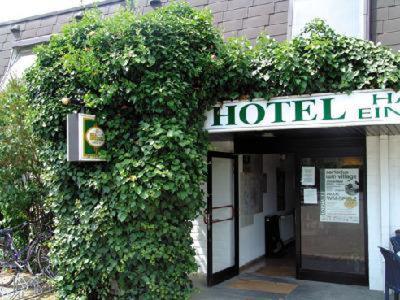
{"points": [[332, 230], [267, 190], [222, 218], [299, 190]]}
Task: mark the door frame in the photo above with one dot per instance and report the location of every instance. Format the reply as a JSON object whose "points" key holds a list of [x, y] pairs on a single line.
{"points": [[322, 145], [335, 277], [215, 278]]}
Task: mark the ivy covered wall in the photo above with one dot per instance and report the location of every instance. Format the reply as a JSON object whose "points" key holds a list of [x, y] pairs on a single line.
{"points": [[128, 220], [126, 223]]}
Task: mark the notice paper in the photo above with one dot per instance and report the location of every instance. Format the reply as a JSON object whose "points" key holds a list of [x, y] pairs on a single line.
{"points": [[308, 175], [310, 196], [340, 196]]}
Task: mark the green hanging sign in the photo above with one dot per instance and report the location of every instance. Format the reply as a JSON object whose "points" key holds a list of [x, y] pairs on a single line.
{"points": [[85, 138]]}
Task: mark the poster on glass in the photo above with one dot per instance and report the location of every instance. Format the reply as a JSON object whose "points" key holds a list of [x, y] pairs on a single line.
{"points": [[340, 201]]}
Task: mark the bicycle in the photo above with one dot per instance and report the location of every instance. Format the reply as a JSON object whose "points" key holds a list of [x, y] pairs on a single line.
{"points": [[32, 259]]}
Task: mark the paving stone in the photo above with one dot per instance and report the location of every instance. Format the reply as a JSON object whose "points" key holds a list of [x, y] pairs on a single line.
{"points": [[265, 9]]}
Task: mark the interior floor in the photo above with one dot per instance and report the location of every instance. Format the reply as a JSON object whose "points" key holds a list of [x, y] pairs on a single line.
{"points": [[282, 266]]}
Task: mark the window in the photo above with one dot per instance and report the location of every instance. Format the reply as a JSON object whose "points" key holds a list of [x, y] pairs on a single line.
{"points": [[344, 16], [20, 60]]}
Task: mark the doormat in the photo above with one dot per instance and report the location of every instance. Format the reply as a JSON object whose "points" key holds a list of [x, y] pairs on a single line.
{"points": [[263, 286], [271, 270]]}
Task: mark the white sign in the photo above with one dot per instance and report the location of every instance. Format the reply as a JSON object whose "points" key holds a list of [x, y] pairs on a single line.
{"points": [[308, 175], [368, 107], [310, 196], [340, 200]]}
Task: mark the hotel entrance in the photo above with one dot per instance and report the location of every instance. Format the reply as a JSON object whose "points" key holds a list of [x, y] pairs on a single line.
{"points": [[295, 205]]}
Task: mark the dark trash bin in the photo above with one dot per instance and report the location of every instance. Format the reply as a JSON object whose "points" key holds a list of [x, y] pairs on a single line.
{"points": [[274, 246]]}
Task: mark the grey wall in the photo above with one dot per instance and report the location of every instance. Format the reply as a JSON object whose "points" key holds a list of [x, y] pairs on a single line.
{"points": [[234, 18], [385, 22], [38, 28], [243, 17]]}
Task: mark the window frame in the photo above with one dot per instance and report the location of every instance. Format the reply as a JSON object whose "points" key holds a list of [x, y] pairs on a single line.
{"points": [[364, 19]]}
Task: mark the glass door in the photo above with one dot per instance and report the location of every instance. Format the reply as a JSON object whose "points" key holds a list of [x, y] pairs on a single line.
{"points": [[332, 219], [222, 218]]}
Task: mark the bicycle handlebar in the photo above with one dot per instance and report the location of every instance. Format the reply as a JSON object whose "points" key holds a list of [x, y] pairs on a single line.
{"points": [[5, 231]]}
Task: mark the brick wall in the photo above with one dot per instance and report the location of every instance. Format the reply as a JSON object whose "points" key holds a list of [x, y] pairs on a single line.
{"points": [[385, 22]]}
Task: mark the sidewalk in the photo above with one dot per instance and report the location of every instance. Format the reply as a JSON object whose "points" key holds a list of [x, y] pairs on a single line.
{"points": [[250, 286]]}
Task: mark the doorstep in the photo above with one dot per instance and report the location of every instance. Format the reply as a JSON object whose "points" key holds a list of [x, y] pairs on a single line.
{"points": [[249, 286]]}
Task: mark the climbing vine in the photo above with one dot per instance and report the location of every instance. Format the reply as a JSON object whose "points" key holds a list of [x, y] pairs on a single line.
{"points": [[319, 60], [123, 226]]}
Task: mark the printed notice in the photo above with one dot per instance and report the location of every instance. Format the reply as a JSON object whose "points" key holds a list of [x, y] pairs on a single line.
{"points": [[308, 175], [340, 196], [310, 196]]}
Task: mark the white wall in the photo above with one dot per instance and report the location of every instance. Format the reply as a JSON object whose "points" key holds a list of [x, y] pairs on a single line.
{"points": [[383, 205]]}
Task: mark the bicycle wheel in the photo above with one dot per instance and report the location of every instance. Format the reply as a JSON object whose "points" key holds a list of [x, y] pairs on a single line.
{"points": [[43, 261]]}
